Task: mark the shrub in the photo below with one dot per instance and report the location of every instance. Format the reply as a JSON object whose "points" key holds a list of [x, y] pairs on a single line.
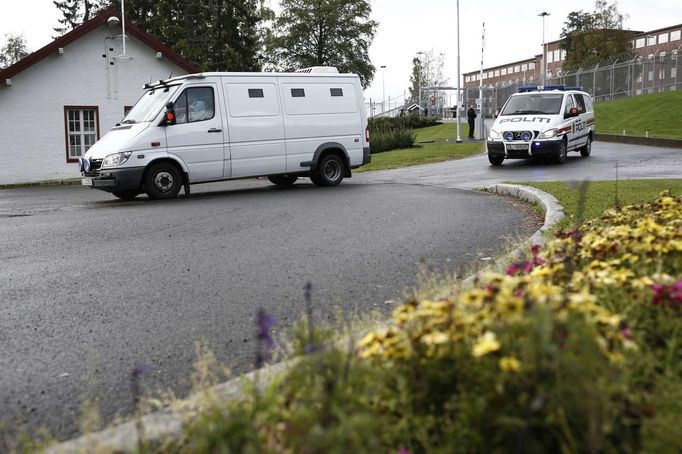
{"points": [[391, 139]]}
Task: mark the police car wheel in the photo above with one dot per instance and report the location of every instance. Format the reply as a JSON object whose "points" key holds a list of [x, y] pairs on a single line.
{"points": [[495, 160], [283, 180], [561, 156], [587, 149], [162, 181]]}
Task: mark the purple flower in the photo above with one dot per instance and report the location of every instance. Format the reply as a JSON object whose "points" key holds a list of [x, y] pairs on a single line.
{"points": [[135, 376], [535, 249], [513, 269], [672, 294], [265, 341], [404, 451]]}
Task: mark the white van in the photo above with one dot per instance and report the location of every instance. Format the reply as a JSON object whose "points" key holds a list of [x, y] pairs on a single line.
{"points": [[542, 122], [219, 126]]}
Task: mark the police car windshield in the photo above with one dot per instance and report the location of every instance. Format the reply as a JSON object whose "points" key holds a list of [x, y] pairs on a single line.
{"points": [[149, 105], [536, 103]]}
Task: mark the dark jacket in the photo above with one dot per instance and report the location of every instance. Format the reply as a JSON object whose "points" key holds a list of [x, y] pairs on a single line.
{"points": [[471, 113]]}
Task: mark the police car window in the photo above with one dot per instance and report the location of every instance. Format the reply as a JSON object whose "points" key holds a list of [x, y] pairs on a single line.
{"points": [[580, 103], [536, 103], [569, 104], [195, 104]]}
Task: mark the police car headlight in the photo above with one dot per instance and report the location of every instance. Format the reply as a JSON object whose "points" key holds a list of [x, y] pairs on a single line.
{"points": [[116, 159], [549, 134], [493, 135]]}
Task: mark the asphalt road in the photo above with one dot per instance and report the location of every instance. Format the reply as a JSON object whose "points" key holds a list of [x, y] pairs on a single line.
{"points": [[92, 286]]}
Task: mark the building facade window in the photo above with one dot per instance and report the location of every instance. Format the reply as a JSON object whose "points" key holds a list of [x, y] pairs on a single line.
{"points": [[641, 42], [651, 41], [675, 36], [662, 38], [81, 124]]}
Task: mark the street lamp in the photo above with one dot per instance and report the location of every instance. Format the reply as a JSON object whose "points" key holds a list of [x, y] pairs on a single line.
{"points": [[383, 88], [544, 14]]}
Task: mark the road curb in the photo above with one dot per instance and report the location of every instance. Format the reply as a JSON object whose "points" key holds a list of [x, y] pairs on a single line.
{"points": [[155, 428], [554, 213]]}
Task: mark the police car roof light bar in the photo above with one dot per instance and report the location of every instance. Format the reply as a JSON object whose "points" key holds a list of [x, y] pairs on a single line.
{"points": [[529, 88]]}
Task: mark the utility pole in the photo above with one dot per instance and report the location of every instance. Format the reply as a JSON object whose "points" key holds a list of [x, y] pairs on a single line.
{"points": [[459, 137], [383, 89], [419, 101]]}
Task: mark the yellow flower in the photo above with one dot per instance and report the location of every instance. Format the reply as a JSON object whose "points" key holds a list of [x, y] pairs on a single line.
{"points": [[434, 338], [510, 364], [487, 343]]}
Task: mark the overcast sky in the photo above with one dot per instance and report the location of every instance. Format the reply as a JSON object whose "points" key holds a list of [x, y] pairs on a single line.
{"points": [[513, 30]]}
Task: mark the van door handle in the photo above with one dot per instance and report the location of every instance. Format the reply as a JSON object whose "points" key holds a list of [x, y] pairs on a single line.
{"points": [[215, 130]]}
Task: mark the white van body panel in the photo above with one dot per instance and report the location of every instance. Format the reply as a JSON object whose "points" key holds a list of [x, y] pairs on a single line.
{"points": [[249, 124]]}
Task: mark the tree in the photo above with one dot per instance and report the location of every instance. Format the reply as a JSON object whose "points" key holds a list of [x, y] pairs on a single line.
{"points": [[14, 50], [324, 33], [217, 35], [427, 71], [593, 37], [75, 12]]}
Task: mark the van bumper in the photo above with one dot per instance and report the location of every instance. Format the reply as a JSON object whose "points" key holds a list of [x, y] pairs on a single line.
{"points": [[117, 180], [366, 156]]}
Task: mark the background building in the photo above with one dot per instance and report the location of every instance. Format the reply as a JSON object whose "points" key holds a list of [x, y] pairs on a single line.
{"points": [[60, 99]]}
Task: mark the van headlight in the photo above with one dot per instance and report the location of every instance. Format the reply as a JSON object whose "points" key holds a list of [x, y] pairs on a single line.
{"points": [[494, 135], [116, 159], [549, 134]]}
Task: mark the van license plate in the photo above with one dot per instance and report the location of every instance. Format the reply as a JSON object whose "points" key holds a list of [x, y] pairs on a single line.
{"points": [[86, 181], [517, 146]]}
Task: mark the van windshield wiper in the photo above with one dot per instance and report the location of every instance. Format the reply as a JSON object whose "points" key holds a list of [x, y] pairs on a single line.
{"points": [[128, 122]]}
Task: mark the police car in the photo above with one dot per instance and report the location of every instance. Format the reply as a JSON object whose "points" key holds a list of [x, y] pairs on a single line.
{"points": [[545, 121]]}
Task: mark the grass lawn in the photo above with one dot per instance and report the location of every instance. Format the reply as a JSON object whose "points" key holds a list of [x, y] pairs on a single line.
{"points": [[659, 113], [441, 132], [423, 154], [601, 195]]}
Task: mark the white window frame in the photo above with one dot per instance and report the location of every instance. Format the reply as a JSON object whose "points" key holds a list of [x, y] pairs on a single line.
{"points": [[76, 129], [675, 35]]}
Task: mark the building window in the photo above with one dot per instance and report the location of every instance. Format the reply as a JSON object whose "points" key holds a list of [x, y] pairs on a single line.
{"points": [[550, 57], [640, 43], [651, 41], [673, 73], [497, 73], [82, 130], [466, 79], [662, 38], [675, 36], [531, 65], [557, 55], [504, 71], [651, 76], [661, 74], [524, 67], [662, 56], [517, 69], [673, 56]]}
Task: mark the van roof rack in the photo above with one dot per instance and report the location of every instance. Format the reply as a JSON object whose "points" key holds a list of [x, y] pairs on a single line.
{"points": [[319, 70], [529, 88]]}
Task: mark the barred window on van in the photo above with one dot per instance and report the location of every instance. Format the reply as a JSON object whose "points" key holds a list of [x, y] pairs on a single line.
{"points": [[256, 93], [297, 93], [336, 91]]}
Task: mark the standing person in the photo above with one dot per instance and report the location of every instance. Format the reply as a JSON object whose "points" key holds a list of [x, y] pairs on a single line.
{"points": [[471, 116]]}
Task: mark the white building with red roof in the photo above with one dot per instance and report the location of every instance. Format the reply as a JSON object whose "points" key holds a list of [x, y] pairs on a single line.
{"points": [[56, 102]]}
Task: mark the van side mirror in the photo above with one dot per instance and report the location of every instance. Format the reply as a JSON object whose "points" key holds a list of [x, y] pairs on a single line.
{"points": [[169, 117]]}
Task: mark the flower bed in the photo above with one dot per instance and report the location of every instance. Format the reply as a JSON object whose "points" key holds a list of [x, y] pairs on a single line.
{"points": [[576, 349]]}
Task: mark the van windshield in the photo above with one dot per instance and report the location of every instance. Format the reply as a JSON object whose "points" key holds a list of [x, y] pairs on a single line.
{"points": [[149, 105], [538, 104]]}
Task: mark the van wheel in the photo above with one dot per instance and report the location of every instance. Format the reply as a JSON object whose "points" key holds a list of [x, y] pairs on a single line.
{"points": [[162, 181], [563, 152], [283, 180], [587, 149], [495, 160], [329, 171], [126, 195]]}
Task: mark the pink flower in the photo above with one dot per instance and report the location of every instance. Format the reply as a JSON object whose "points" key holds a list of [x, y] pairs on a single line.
{"points": [[513, 269], [535, 249], [404, 451]]}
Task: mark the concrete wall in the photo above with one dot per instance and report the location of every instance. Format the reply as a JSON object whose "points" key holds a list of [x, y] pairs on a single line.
{"points": [[32, 128]]}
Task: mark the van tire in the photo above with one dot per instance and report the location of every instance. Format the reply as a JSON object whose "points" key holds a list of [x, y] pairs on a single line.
{"points": [[563, 153], [282, 180], [587, 149], [495, 160], [126, 195], [329, 171], [162, 181]]}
